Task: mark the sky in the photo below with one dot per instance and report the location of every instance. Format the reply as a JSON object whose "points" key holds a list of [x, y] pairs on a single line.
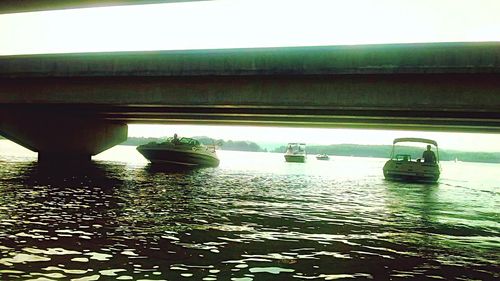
{"points": [[453, 141], [249, 23], [260, 23]]}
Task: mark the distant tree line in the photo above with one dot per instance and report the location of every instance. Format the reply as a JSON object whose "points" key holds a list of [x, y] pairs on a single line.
{"points": [[140, 140], [357, 150], [222, 144], [232, 145]]}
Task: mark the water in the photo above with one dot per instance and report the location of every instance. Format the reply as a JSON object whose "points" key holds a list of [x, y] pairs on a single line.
{"points": [[253, 218]]}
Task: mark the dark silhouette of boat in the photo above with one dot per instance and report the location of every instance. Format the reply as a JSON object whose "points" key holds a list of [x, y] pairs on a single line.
{"points": [[183, 152]]}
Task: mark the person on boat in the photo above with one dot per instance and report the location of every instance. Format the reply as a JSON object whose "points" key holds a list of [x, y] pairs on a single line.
{"points": [[429, 156], [176, 139]]}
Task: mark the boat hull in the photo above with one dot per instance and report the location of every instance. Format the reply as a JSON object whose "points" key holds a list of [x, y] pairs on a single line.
{"points": [[411, 171], [295, 158], [179, 157]]}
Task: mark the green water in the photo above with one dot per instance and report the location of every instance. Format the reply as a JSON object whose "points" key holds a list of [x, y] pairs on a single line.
{"points": [[255, 217]]}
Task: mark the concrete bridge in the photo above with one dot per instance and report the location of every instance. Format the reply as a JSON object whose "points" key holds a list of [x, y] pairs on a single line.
{"points": [[20, 6], [77, 105]]}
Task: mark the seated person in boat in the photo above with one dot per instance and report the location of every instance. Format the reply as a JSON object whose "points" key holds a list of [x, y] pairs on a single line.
{"points": [[429, 156]]}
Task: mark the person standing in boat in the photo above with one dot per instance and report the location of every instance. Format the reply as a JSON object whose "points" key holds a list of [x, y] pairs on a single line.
{"points": [[176, 139], [429, 156]]}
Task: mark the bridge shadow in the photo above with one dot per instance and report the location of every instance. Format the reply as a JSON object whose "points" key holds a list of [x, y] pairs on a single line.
{"points": [[81, 209], [61, 175]]}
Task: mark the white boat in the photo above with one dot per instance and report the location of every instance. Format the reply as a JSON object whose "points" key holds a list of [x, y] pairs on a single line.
{"points": [[323, 157], [402, 167], [295, 152], [183, 152]]}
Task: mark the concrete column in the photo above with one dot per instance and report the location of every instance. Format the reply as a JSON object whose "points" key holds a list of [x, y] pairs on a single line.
{"points": [[61, 136]]}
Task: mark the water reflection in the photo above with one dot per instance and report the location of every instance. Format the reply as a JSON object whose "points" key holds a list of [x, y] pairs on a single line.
{"points": [[113, 220], [422, 217], [413, 205], [171, 169], [55, 215]]}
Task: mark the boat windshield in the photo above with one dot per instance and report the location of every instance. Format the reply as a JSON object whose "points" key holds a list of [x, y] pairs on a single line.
{"points": [[418, 153], [403, 157], [189, 141], [296, 148], [183, 141]]}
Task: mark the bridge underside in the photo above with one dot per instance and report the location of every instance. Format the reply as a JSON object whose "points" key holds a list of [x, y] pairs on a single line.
{"points": [[57, 136], [52, 103], [439, 102], [393, 119]]}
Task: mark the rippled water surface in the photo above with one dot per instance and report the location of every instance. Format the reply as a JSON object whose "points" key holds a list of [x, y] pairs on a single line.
{"points": [[253, 218]]}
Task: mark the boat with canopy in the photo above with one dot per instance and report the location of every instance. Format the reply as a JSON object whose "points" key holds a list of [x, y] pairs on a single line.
{"points": [[404, 167]]}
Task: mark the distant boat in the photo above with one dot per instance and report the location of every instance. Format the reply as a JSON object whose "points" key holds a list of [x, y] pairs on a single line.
{"points": [[295, 152], [402, 168], [183, 152], [323, 157]]}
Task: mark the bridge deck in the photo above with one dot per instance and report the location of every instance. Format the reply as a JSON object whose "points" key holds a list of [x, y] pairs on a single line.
{"points": [[481, 57], [435, 86]]}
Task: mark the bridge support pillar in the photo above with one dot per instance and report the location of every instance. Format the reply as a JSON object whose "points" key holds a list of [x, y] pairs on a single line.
{"points": [[61, 137]]}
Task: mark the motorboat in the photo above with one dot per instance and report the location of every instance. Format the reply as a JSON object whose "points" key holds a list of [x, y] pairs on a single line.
{"points": [[323, 157], [183, 152], [295, 152], [402, 167]]}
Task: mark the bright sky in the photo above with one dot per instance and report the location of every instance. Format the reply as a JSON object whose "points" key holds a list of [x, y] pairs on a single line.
{"points": [[249, 23], [458, 141], [260, 23]]}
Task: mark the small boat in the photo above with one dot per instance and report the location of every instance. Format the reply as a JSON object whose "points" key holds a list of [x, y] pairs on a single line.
{"points": [[182, 152], [402, 167], [323, 157], [295, 152]]}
